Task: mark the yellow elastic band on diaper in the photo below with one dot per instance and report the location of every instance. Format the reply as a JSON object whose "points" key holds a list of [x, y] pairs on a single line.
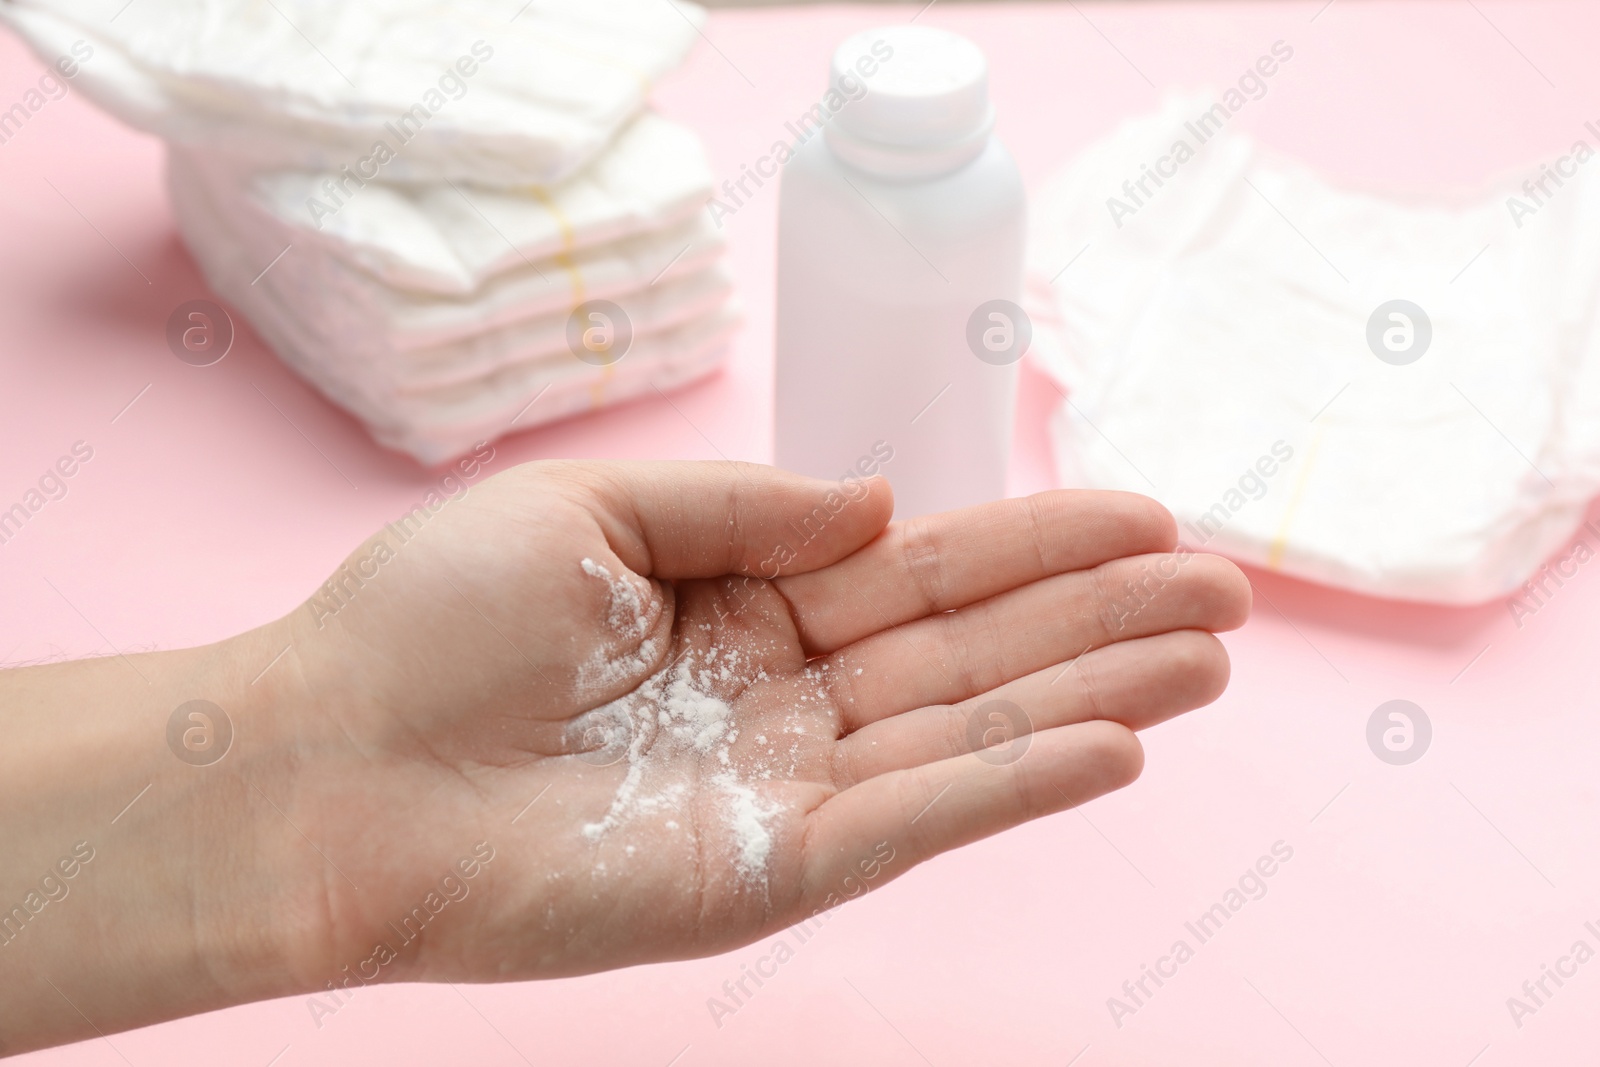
{"points": [[1280, 540], [575, 278]]}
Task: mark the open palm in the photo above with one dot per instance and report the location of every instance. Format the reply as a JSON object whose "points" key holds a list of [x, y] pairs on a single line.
{"points": [[680, 706]]}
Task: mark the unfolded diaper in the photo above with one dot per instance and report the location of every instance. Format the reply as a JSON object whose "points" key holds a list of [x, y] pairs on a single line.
{"points": [[466, 91], [1397, 395]]}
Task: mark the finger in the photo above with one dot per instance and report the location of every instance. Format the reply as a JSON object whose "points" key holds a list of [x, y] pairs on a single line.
{"points": [[1136, 683], [912, 815], [930, 565], [702, 520], [957, 655]]}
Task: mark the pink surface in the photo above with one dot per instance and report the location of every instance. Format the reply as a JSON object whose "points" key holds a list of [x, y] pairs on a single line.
{"points": [[1418, 898]]}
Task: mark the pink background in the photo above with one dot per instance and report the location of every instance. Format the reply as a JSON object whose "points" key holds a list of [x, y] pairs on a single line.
{"points": [[1416, 902]]}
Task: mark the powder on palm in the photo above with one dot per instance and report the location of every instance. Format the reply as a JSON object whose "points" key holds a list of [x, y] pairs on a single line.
{"points": [[628, 612], [676, 718], [629, 615], [749, 819]]}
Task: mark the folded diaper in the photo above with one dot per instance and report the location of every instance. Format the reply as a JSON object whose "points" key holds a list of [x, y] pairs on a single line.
{"points": [[519, 397], [433, 374], [450, 238], [434, 423], [668, 303], [409, 201], [359, 313], [466, 91], [1400, 396]]}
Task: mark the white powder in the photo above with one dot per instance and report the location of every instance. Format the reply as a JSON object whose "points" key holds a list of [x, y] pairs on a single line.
{"points": [[676, 719], [749, 822], [629, 614], [694, 716], [619, 716]]}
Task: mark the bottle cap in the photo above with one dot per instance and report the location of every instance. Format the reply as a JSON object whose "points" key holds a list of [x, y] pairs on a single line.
{"points": [[911, 87]]}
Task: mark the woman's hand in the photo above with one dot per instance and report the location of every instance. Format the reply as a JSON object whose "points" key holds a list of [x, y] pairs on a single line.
{"points": [[591, 715], [587, 668]]}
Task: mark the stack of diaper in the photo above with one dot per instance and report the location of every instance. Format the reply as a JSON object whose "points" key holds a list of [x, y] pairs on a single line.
{"points": [[455, 220], [441, 313], [1398, 395]]}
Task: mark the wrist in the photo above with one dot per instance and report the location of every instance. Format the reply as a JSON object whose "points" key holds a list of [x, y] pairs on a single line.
{"points": [[182, 874], [258, 882]]}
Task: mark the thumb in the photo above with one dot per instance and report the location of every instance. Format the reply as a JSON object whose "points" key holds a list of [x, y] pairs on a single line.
{"points": [[702, 519]]}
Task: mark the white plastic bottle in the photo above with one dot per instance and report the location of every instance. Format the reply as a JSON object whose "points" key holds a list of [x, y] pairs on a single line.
{"points": [[900, 252]]}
